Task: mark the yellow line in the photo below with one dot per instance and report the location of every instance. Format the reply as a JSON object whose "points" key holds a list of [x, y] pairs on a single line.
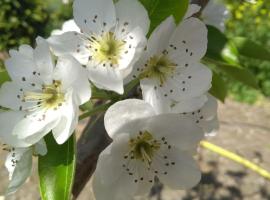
{"points": [[234, 157]]}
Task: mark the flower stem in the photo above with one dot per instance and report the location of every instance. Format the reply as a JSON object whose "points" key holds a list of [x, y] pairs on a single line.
{"points": [[95, 110], [236, 158]]}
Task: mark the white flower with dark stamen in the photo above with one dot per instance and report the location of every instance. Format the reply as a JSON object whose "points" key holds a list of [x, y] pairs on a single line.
{"points": [[206, 117], [215, 13], [42, 96], [172, 77], [111, 39], [145, 146], [19, 164]]}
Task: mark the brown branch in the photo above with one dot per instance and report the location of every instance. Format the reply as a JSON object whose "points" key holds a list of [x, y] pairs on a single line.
{"points": [[93, 141]]}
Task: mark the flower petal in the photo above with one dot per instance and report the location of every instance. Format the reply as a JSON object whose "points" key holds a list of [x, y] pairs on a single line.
{"points": [[179, 131], [40, 148], [94, 15], [215, 13], [67, 26], [159, 39], [124, 112], [184, 173], [192, 9], [189, 41], [43, 57], [73, 75], [106, 78], [7, 126], [20, 171], [67, 123], [72, 43], [131, 14]]}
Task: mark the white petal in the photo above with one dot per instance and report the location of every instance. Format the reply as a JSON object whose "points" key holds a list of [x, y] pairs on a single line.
{"points": [[159, 39], [43, 57], [189, 105], [135, 42], [187, 82], [215, 13], [110, 176], [90, 15], [192, 9], [189, 41], [131, 14], [124, 112], [206, 116], [106, 78], [72, 43], [7, 126], [73, 75], [183, 174], [68, 122], [26, 50], [20, 65], [22, 170], [37, 125], [67, 26], [179, 131]]}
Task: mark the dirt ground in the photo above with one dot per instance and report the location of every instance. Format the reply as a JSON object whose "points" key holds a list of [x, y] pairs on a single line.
{"points": [[244, 129]]}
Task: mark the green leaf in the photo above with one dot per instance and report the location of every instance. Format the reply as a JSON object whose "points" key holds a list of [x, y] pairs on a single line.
{"points": [[219, 88], [239, 73], [159, 10], [4, 77], [56, 169], [251, 49]]}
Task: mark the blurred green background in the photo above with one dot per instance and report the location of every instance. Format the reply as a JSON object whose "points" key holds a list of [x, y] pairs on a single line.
{"points": [[21, 21]]}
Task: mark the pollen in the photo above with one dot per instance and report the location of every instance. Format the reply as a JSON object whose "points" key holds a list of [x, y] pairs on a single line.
{"points": [[159, 67], [144, 147], [50, 97], [107, 48]]}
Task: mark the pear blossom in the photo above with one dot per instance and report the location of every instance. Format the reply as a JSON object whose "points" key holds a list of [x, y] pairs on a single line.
{"points": [[172, 77], [215, 13], [19, 164], [145, 145], [41, 96], [111, 39]]}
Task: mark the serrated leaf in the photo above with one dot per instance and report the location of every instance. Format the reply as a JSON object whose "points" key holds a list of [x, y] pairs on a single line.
{"points": [[56, 169], [251, 49], [159, 10], [219, 88]]}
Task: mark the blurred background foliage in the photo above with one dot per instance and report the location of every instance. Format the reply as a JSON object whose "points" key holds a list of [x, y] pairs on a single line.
{"points": [[251, 21], [21, 21]]}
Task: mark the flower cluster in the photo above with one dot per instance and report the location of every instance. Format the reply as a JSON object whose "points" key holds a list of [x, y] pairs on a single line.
{"points": [[106, 46]]}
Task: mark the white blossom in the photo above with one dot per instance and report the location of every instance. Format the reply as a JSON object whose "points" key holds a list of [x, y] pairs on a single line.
{"points": [[172, 77], [110, 41], [145, 146], [42, 96], [19, 164]]}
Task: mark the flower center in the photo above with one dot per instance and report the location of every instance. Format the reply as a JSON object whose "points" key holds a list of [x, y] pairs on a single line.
{"points": [[106, 48], [51, 96], [159, 67], [144, 147]]}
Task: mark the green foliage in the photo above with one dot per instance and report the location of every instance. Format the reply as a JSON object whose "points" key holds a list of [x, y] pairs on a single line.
{"points": [[251, 21], [159, 10], [57, 169], [21, 21]]}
